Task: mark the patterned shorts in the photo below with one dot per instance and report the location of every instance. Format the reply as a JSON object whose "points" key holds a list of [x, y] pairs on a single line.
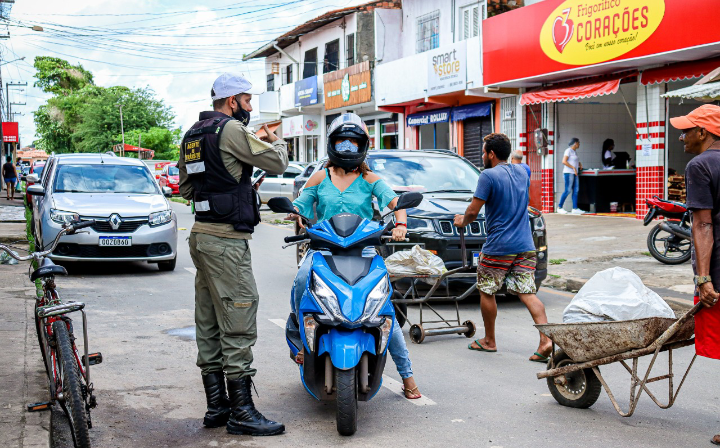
{"points": [[517, 271]]}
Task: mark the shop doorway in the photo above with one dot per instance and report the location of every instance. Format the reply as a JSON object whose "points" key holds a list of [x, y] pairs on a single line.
{"points": [[435, 136], [474, 130], [292, 148], [311, 148], [533, 118]]}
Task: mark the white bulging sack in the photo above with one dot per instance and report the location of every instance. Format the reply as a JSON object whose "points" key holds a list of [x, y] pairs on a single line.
{"points": [[415, 261], [615, 294]]}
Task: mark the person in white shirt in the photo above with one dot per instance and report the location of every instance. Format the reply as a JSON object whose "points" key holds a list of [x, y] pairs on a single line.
{"points": [[572, 165], [607, 153]]}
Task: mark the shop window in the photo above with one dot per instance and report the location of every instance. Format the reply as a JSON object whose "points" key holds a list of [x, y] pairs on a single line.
{"points": [[388, 134], [270, 83], [287, 75], [350, 50], [428, 31], [310, 65], [332, 56], [311, 148], [470, 21], [371, 132]]}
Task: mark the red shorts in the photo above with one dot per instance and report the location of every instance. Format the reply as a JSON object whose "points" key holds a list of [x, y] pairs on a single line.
{"points": [[707, 331]]}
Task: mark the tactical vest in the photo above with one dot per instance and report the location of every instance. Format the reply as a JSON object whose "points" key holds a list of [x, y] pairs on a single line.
{"points": [[217, 195]]}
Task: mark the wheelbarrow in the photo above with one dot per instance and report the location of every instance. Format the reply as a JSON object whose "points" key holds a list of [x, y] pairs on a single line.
{"points": [[573, 374]]}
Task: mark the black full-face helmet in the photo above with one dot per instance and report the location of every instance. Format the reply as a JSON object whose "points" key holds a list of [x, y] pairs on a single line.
{"points": [[347, 126]]}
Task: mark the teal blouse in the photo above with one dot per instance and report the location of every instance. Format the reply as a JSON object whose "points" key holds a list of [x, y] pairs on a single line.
{"points": [[357, 198]]}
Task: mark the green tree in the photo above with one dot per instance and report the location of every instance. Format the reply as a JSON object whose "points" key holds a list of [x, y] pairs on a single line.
{"points": [[58, 76], [165, 142]]}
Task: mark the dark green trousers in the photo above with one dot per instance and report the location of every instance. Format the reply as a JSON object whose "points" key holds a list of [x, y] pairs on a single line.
{"points": [[226, 302]]}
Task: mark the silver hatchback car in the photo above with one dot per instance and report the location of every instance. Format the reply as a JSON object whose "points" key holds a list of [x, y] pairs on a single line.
{"points": [[133, 218]]}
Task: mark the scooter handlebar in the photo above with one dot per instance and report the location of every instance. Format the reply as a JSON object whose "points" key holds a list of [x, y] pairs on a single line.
{"points": [[295, 238]]}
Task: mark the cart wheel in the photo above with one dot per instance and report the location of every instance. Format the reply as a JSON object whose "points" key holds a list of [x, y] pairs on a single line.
{"points": [[417, 334], [471, 328], [581, 388]]}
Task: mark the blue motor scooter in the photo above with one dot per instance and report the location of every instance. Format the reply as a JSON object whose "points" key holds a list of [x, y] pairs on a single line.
{"points": [[345, 316]]}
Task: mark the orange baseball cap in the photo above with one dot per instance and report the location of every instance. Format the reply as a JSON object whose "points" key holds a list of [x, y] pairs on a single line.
{"points": [[706, 116]]}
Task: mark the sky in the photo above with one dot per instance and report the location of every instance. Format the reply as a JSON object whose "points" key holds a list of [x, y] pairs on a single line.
{"points": [[177, 48]]}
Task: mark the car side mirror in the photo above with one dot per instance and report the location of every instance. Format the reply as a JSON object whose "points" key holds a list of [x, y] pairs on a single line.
{"points": [[167, 192], [32, 178], [36, 190], [281, 205]]}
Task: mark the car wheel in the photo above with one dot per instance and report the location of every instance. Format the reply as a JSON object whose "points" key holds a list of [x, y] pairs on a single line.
{"points": [[166, 266]]}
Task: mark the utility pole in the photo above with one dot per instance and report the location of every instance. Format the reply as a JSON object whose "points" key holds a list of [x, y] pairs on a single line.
{"points": [[7, 97], [122, 131]]}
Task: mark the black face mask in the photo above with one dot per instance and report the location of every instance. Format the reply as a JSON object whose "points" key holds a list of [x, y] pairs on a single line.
{"points": [[242, 115]]}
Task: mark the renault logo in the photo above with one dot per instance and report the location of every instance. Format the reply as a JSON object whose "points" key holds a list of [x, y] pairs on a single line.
{"points": [[114, 221]]}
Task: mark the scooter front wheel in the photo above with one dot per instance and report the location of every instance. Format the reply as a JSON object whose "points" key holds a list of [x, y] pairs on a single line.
{"points": [[346, 384]]}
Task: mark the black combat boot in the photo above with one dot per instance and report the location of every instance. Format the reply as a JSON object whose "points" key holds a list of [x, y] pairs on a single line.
{"points": [[244, 418], [218, 404]]}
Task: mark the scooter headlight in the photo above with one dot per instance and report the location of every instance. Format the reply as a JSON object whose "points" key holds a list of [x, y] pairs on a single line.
{"points": [[376, 299], [327, 299]]}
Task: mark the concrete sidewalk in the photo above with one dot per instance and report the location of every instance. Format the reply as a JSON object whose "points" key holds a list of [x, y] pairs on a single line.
{"points": [[22, 374], [589, 244]]}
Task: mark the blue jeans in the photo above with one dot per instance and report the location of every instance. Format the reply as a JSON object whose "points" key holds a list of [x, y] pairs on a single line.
{"points": [[396, 346], [571, 182]]}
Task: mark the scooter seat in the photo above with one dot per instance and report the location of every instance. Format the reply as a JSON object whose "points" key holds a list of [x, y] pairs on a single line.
{"points": [[47, 269]]}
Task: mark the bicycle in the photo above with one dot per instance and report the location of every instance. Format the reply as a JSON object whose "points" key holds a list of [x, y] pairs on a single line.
{"points": [[68, 373]]}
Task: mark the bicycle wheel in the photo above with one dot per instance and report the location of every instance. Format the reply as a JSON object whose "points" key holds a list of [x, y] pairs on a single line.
{"points": [[73, 402]]}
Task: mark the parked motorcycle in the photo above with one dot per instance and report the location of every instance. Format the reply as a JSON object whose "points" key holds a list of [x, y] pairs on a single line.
{"points": [[345, 316], [669, 241]]}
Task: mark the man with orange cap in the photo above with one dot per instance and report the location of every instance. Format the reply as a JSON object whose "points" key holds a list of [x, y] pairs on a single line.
{"points": [[701, 136]]}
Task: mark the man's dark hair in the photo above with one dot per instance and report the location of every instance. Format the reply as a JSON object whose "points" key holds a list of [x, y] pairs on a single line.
{"points": [[498, 143], [574, 140]]}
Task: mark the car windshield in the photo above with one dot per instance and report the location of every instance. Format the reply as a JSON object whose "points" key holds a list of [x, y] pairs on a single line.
{"points": [[426, 174], [104, 178], [173, 171]]}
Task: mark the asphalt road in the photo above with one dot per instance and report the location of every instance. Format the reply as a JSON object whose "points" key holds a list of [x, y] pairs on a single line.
{"points": [[150, 392]]}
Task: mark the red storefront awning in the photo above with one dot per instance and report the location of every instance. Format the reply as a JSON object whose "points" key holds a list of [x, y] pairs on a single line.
{"points": [[680, 71], [571, 93]]}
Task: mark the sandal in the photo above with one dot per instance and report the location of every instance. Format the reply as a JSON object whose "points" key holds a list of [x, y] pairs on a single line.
{"points": [[413, 391], [481, 349], [543, 359]]}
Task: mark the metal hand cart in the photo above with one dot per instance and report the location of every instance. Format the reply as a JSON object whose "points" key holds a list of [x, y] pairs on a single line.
{"points": [[422, 329], [573, 374]]}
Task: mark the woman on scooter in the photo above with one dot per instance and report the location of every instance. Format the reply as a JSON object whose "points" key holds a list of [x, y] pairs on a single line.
{"points": [[347, 185]]}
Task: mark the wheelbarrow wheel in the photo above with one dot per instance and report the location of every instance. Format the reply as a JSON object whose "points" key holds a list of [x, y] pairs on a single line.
{"points": [[471, 328], [579, 389], [417, 334]]}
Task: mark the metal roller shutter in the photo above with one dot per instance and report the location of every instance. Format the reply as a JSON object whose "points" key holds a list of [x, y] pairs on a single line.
{"points": [[474, 129]]}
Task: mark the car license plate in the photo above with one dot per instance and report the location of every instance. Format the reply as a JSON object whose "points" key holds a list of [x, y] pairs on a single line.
{"points": [[115, 241], [475, 258]]}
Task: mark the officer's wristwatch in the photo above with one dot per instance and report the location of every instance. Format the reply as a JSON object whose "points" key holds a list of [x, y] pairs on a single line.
{"points": [[699, 280]]}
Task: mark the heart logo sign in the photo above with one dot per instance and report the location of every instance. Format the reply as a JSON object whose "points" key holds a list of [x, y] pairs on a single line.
{"points": [[563, 29]]}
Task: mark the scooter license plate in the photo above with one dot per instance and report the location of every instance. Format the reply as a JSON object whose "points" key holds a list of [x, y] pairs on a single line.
{"points": [[115, 241], [475, 258]]}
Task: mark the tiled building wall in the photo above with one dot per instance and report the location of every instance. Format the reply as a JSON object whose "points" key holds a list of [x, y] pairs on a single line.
{"points": [[651, 129]]}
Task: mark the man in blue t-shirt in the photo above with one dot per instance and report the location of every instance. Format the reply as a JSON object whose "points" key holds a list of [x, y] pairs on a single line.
{"points": [[508, 255]]}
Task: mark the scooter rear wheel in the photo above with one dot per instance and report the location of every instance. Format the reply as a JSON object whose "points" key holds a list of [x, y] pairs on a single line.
{"points": [[347, 392]]}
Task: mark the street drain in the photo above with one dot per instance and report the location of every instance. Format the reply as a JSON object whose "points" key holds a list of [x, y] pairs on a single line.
{"points": [[186, 333]]}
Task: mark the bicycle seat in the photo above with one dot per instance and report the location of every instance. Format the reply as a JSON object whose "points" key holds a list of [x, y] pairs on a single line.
{"points": [[47, 269]]}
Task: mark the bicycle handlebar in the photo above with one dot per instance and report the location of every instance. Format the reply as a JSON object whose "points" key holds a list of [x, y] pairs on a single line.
{"points": [[69, 230]]}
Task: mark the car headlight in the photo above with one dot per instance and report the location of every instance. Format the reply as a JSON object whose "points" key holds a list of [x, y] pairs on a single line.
{"points": [[539, 223], [419, 224], [376, 299], [173, 181], [62, 217], [327, 299], [158, 218]]}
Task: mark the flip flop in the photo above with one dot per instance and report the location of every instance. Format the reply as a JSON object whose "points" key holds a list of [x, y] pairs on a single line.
{"points": [[481, 349], [413, 391], [543, 359]]}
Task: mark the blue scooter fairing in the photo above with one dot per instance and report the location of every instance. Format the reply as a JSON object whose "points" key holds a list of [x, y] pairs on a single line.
{"points": [[346, 347]]}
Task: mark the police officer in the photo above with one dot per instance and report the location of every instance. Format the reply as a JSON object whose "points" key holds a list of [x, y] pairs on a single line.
{"points": [[217, 156]]}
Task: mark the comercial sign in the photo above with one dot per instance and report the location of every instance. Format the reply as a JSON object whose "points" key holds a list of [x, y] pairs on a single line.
{"points": [[306, 92], [300, 125], [447, 68], [348, 87], [11, 132], [429, 117], [554, 36]]}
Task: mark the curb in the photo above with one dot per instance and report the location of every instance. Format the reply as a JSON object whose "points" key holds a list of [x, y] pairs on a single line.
{"points": [[36, 430]]}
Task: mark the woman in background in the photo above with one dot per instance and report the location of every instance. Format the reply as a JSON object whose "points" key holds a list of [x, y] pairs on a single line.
{"points": [[607, 153]]}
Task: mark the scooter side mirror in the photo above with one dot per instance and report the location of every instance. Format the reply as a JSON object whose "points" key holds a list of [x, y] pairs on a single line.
{"points": [[281, 205], [408, 200]]}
